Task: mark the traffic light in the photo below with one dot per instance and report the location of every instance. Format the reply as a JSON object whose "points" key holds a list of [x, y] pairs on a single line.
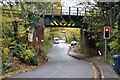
{"points": [[106, 32]]}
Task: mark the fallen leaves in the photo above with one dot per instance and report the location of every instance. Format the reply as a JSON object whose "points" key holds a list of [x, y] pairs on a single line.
{"points": [[20, 68]]}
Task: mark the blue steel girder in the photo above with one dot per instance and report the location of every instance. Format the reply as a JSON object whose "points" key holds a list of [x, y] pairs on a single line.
{"points": [[72, 21]]}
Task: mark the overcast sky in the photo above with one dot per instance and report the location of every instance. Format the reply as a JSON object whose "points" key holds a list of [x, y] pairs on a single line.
{"points": [[73, 3]]}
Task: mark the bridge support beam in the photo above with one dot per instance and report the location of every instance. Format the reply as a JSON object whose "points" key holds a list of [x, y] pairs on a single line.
{"points": [[87, 46]]}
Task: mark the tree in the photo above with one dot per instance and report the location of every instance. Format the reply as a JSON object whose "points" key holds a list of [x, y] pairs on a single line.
{"points": [[97, 16], [17, 18]]}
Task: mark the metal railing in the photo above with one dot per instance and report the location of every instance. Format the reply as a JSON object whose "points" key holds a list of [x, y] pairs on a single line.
{"points": [[64, 10]]}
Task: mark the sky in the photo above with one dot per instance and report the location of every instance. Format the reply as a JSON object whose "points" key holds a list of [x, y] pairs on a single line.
{"points": [[72, 4]]}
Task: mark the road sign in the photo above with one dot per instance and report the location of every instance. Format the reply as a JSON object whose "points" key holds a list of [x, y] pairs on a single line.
{"points": [[74, 21], [107, 32], [58, 23]]}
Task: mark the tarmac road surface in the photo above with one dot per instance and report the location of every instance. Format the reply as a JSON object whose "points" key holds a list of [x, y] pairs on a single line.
{"points": [[60, 65]]}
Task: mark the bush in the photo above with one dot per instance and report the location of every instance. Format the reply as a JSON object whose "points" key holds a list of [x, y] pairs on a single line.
{"points": [[24, 53], [27, 55], [5, 53], [17, 49], [114, 43], [29, 58], [34, 60]]}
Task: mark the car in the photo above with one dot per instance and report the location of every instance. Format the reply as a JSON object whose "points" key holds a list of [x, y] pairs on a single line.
{"points": [[56, 40], [64, 40], [73, 43], [61, 41]]}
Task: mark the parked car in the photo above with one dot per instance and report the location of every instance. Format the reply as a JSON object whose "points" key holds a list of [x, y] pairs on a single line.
{"points": [[56, 40], [73, 43]]}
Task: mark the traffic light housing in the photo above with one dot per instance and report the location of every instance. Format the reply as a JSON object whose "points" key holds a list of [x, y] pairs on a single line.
{"points": [[106, 32]]}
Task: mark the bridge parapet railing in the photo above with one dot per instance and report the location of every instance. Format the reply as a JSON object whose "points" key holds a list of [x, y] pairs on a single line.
{"points": [[64, 10]]}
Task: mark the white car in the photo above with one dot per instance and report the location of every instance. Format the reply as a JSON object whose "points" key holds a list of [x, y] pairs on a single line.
{"points": [[56, 40], [73, 43], [61, 41], [64, 40]]}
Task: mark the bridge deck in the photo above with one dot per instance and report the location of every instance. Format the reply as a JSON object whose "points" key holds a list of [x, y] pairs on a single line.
{"points": [[72, 21]]}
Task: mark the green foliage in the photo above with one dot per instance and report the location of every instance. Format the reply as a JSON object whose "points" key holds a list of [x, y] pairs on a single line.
{"points": [[72, 31], [24, 53], [7, 34], [55, 32], [27, 55], [17, 49], [20, 12], [5, 53], [47, 39], [113, 45], [34, 60], [115, 41], [118, 18]]}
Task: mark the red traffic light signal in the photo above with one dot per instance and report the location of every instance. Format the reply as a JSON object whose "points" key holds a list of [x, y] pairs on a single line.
{"points": [[106, 32], [106, 29]]}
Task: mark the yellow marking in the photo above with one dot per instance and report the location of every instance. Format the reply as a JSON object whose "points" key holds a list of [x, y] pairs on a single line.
{"points": [[69, 24], [73, 24], [52, 23], [60, 24], [56, 23], [64, 24]]}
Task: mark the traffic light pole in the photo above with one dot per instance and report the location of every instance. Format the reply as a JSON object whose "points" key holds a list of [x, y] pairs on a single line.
{"points": [[106, 36], [105, 48]]}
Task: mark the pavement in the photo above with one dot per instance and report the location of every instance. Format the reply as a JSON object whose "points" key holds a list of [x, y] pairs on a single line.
{"points": [[106, 68], [61, 65]]}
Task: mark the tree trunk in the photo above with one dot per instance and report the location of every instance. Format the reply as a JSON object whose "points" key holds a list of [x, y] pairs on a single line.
{"points": [[111, 14]]}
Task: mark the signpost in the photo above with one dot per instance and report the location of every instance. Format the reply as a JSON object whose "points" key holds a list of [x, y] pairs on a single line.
{"points": [[106, 36]]}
